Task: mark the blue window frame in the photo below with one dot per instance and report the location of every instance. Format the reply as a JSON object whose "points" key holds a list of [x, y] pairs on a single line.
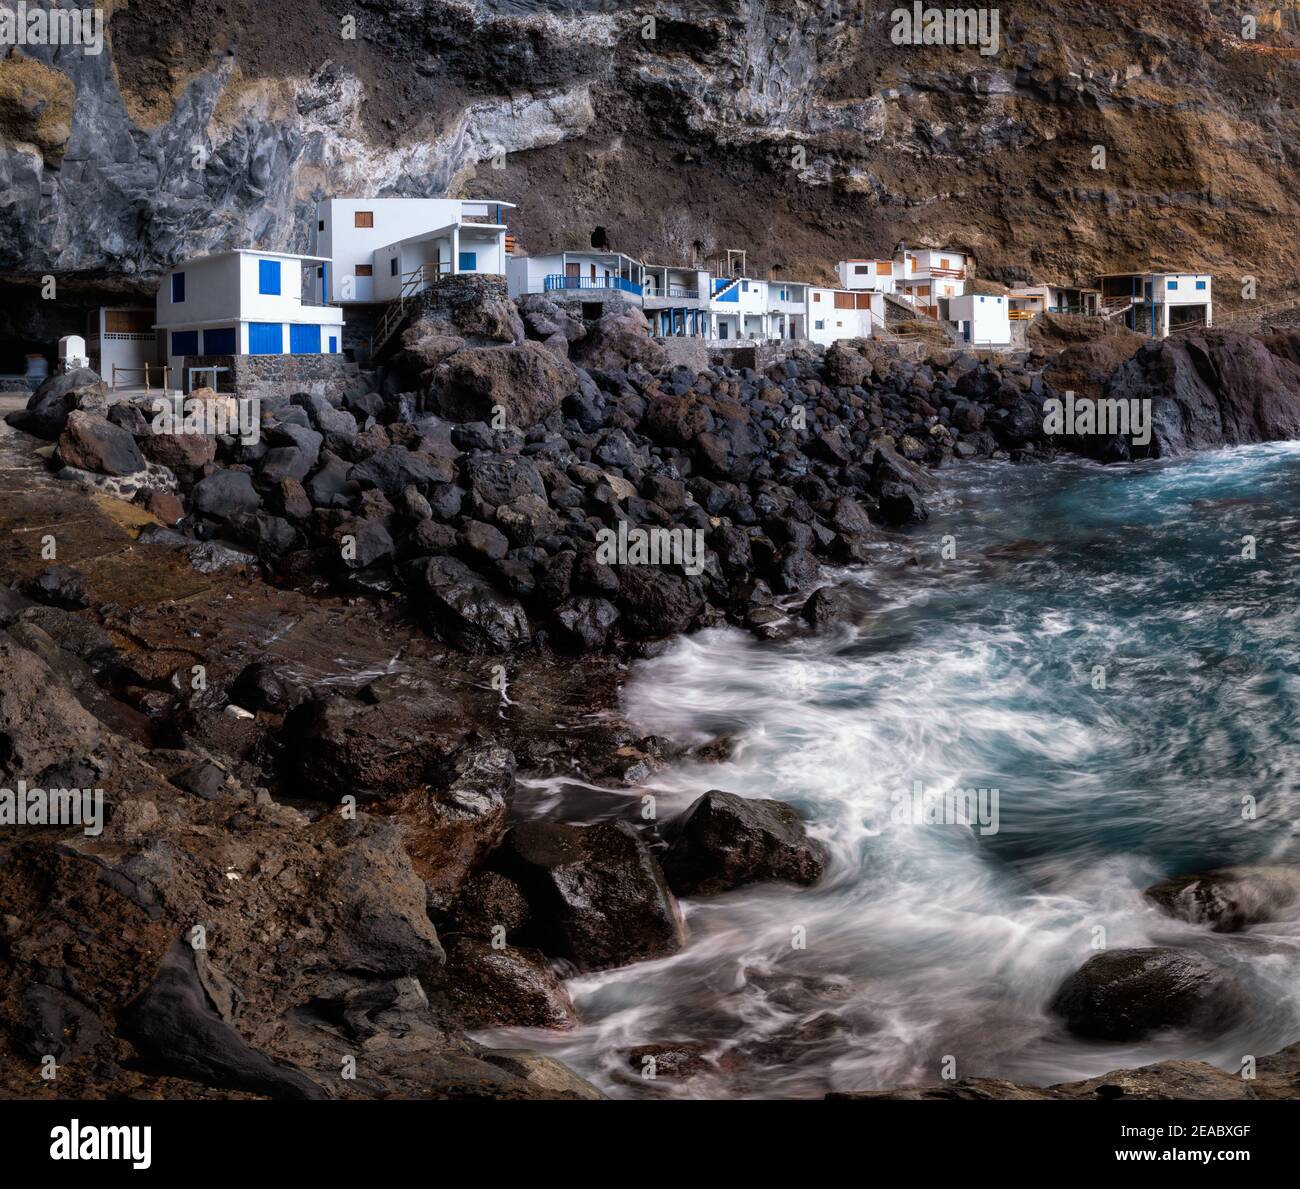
{"points": [[178, 287], [334, 344], [220, 340], [819, 324], [268, 276], [185, 342], [1173, 284], [468, 261], [1200, 284], [304, 340], [265, 338]]}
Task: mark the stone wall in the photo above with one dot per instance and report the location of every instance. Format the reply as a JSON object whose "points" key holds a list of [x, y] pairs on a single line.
{"points": [[686, 351], [276, 377]]}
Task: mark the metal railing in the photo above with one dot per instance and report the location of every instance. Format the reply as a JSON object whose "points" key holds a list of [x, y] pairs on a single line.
{"points": [[562, 281], [689, 292], [413, 282]]}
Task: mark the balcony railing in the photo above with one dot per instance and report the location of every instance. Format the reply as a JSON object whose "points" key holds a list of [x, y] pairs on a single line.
{"points": [[958, 273], [493, 216], [689, 292], [558, 281]]}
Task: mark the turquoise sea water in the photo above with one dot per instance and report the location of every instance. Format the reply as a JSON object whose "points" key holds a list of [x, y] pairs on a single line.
{"points": [[933, 941]]}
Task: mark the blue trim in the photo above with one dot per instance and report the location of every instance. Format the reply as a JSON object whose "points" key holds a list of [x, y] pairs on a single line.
{"points": [[1200, 284], [304, 339], [265, 338], [268, 277]]}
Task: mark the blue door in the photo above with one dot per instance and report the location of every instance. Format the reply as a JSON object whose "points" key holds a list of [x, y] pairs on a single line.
{"points": [[304, 340], [265, 338], [334, 344], [185, 342], [220, 340]]}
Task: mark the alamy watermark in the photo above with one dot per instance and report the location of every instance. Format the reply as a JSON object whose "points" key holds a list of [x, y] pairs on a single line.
{"points": [[946, 807], [1107, 416], [35, 24], [223, 417], [946, 26], [651, 547], [53, 807]]}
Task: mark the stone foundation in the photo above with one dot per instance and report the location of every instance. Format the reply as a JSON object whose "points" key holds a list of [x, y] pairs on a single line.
{"points": [[274, 378]]}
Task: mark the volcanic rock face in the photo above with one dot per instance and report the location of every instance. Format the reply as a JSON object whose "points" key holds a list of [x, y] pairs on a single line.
{"points": [[792, 129]]}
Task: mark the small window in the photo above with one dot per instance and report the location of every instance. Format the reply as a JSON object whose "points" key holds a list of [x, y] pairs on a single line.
{"points": [[363, 218], [1173, 284], [320, 272], [817, 297], [820, 324], [320, 225], [178, 287], [268, 276], [744, 286], [468, 262], [981, 301], [1200, 284], [861, 270], [943, 262], [365, 270], [392, 267]]}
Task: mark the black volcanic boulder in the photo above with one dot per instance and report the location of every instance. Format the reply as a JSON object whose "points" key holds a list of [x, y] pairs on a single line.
{"points": [[464, 608], [656, 602], [527, 382], [597, 895], [618, 339], [502, 478], [1121, 995], [1208, 388], [224, 494], [395, 468], [1231, 899], [48, 408], [722, 841], [93, 443]]}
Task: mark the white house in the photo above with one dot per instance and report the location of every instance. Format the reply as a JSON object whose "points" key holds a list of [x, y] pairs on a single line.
{"points": [[376, 249], [676, 300], [982, 318], [835, 314], [924, 275], [121, 343], [244, 302], [1156, 303], [879, 276], [586, 275]]}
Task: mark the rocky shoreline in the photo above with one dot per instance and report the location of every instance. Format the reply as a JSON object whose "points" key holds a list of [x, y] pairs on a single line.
{"points": [[307, 670]]}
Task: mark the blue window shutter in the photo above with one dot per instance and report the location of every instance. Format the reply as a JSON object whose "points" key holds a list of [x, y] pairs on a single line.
{"points": [[221, 340], [1173, 284], [268, 276], [1200, 284], [178, 287], [185, 342], [304, 340], [334, 344], [265, 338], [468, 261]]}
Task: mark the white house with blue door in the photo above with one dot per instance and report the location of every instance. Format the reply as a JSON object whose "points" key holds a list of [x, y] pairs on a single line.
{"points": [[244, 302], [982, 319], [378, 249]]}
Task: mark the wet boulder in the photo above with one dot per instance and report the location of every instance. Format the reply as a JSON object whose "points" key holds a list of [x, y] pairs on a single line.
{"points": [[93, 443], [454, 822], [722, 841], [483, 986], [1230, 899], [1131, 994], [598, 897], [656, 602], [464, 608]]}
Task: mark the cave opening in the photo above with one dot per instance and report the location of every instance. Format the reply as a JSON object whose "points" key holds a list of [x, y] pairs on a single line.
{"points": [[599, 239]]}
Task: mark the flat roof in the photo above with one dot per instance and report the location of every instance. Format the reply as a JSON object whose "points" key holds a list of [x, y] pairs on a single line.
{"points": [[1154, 272], [249, 252], [423, 198]]}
